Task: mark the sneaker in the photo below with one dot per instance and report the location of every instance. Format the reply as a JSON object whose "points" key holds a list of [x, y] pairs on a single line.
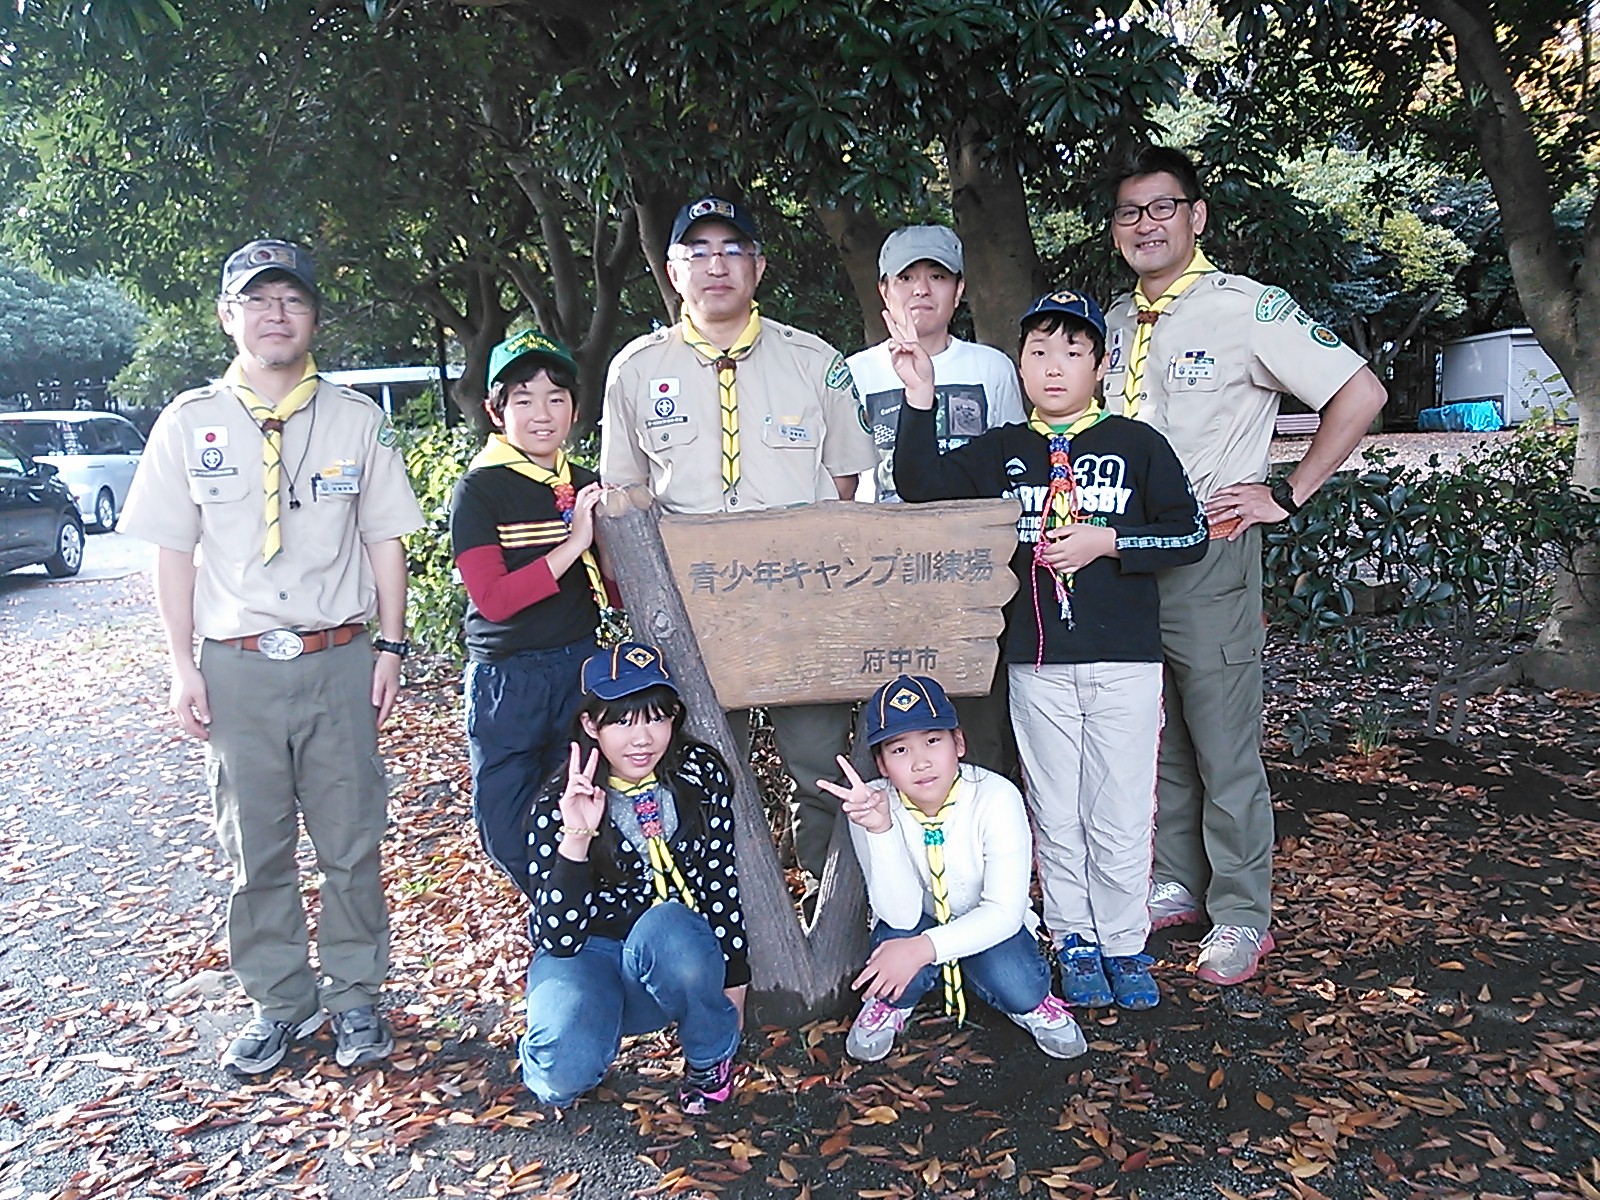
{"points": [[1231, 953], [1053, 1028], [1172, 904], [261, 1045], [704, 1087], [362, 1037], [873, 1032], [1131, 981], [1083, 979]]}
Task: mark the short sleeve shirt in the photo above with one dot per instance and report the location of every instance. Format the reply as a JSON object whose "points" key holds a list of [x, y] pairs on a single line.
{"points": [[199, 486], [1219, 358], [800, 423]]}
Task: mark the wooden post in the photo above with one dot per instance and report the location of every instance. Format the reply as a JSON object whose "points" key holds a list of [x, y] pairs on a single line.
{"points": [[797, 975]]}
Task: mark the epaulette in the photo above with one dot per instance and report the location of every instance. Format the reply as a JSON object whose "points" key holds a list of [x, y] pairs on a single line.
{"points": [[204, 392]]}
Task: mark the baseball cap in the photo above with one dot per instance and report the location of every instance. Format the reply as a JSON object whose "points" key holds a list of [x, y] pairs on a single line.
{"points": [[529, 341], [625, 669], [256, 258], [713, 208], [1069, 303], [936, 243], [907, 704]]}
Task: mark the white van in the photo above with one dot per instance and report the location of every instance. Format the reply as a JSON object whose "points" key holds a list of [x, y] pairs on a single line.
{"points": [[96, 454]]}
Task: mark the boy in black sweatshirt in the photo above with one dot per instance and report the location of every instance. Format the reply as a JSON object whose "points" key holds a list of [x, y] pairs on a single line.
{"points": [[1105, 504]]}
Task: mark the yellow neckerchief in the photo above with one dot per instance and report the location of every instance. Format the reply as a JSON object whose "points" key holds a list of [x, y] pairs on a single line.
{"points": [[725, 362], [1058, 509], [498, 452], [646, 799], [271, 421], [1149, 312], [955, 997]]}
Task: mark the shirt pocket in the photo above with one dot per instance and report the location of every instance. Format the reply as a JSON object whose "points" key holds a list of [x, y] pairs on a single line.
{"points": [[670, 432], [217, 489], [800, 432], [1193, 371]]}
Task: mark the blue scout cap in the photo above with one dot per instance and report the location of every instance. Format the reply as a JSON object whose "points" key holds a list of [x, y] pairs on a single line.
{"points": [[257, 258], [907, 704], [1072, 304], [529, 341], [713, 208], [624, 670]]}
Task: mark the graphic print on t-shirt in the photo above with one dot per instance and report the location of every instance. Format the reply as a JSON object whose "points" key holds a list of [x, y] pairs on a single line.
{"points": [[1101, 493], [960, 413]]}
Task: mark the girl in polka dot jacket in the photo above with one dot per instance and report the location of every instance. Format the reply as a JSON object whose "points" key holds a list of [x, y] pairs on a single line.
{"points": [[636, 910]]}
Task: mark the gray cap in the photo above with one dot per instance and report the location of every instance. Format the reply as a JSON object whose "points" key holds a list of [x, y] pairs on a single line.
{"points": [[936, 243], [270, 254]]}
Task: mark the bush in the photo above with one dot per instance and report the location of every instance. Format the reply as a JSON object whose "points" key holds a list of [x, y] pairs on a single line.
{"points": [[435, 458], [1470, 549]]}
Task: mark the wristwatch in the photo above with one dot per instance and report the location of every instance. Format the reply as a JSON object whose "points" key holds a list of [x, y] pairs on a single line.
{"points": [[1283, 495], [384, 646]]}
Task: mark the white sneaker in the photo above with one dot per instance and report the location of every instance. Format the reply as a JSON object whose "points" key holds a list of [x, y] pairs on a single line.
{"points": [[1172, 904], [1053, 1028], [873, 1032], [1231, 953]]}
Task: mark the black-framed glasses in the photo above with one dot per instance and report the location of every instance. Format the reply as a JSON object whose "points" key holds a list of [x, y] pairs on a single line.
{"points": [[294, 304], [1162, 208], [703, 252]]}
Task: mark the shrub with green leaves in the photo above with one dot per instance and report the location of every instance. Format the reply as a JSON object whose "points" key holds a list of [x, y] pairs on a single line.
{"points": [[435, 458]]}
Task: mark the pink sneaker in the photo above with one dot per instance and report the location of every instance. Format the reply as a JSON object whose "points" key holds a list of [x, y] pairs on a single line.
{"points": [[873, 1032], [1172, 904], [1231, 953], [1053, 1028], [706, 1087]]}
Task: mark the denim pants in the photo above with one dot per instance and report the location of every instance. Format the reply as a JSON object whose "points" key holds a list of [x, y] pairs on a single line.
{"points": [[519, 721], [668, 970], [1011, 977]]}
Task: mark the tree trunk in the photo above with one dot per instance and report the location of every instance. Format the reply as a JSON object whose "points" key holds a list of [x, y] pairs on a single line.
{"points": [[1562, 305], [797, 975], [858, 235], [1003, 272]]}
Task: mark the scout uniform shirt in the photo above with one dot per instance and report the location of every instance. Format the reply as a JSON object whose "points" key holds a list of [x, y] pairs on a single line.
{"points": [[199, 483], [1220, 356], [800, 422]]}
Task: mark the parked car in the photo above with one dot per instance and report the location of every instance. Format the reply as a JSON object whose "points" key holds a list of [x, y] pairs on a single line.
{"points": [[39, 521], [96, 453]]}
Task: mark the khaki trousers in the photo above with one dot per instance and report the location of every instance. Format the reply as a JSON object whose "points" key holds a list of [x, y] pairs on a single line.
{"points": [[295, 742], [1214, 828]]}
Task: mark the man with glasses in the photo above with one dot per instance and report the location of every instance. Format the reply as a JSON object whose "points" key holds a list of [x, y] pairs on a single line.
{"points": [[293, 494], [1204, 356], [729, 411]]}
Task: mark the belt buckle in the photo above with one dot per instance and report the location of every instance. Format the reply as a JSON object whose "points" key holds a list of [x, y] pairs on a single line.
{"points": [[281, 645]]}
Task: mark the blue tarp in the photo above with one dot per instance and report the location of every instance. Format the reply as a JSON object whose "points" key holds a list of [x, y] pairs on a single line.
{"points": [[1472, 416]]}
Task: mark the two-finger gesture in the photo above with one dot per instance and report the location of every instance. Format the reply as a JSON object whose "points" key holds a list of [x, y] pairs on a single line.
{"points": [[867, 806], [583, 803], [909, 358]]}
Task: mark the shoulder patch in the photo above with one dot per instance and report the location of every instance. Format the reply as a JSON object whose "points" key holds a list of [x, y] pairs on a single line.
{"points": [[839, 374], [1324, 336], [1274, 302], [386, 433]]}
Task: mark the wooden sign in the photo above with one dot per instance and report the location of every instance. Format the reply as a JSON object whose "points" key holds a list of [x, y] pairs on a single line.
{"points": [[824, 602]]}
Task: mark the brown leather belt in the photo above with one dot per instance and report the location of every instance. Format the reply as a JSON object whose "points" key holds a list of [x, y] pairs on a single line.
{"points": [[272, 642], [1221, 529]]}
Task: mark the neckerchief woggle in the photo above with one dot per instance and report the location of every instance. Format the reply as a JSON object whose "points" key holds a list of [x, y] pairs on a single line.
{"points": [[1144, 327], [271, 419], [646, 798]]}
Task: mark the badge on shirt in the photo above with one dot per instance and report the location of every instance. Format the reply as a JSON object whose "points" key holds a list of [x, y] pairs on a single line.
{"points": [[663, 389], [1193, 365], [1114, 352], [211, 437], [343, 478]]}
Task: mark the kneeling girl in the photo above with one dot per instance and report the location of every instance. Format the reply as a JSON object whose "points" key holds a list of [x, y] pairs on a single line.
{"points": [[636, 909]]}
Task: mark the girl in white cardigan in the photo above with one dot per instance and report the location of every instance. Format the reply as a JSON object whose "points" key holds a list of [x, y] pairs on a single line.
{"points": [[947, 855]]}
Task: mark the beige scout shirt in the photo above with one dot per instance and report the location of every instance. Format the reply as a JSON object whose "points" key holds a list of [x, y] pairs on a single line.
{"points": [[800, 423], [199, 483], [1220, 356]]}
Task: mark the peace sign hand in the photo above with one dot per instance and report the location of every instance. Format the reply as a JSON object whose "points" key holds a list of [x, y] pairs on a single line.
{"points": [[867, 806], [583, 804], [909, 358]]}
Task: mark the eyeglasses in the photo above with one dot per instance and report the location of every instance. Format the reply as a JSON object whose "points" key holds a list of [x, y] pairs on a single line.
{"points": [[293, 305], [1162, 208], [702, 252]]}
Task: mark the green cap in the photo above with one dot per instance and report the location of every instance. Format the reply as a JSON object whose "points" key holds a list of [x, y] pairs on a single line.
{"points": [[529, 341]]}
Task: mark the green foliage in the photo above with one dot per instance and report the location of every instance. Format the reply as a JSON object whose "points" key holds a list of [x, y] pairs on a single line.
{"points": [[78, 329], [435, 458], [1469, 548], [179, 348], [1307, 730]]}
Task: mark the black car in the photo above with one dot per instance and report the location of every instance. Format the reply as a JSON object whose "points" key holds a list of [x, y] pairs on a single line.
{"points": [[39, 520]]}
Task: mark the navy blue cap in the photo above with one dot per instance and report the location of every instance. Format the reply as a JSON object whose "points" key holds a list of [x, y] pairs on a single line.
{"points": [[1069, 303], [908, 704], [624, 670], [257, 258], [713, 208]]}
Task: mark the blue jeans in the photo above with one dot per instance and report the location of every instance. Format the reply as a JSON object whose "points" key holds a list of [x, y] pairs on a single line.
{"points": [[519, 721], [1011, 977], [669, 970]]}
